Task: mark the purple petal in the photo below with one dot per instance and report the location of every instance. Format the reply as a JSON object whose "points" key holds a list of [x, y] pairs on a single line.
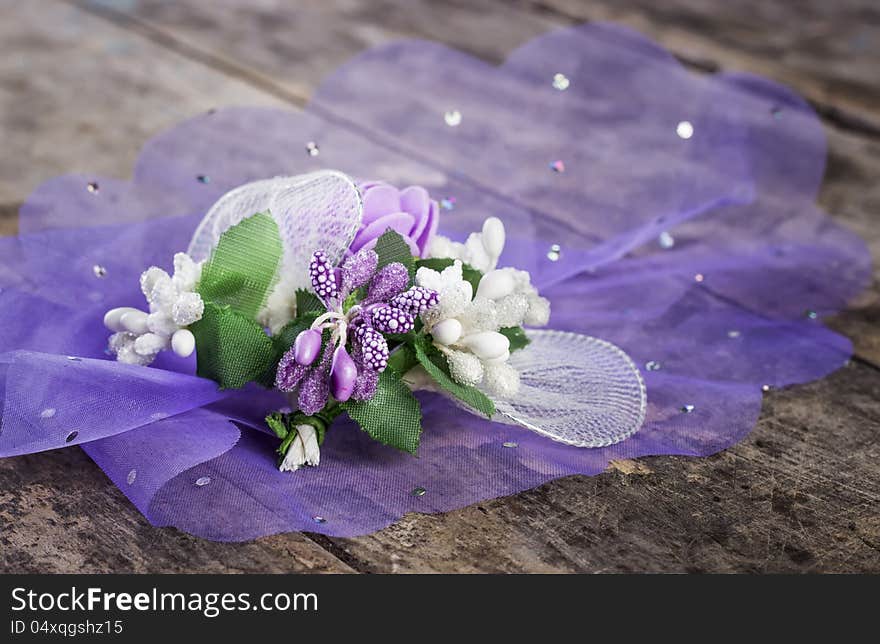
{"points": [[400, 222], [424, 240], [416, 201], [380, 200]]}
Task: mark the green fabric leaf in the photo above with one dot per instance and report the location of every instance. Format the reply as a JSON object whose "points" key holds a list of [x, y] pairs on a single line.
{"points": [[468, 272], [435, 364], [243, 266], [391, 247], [277, 422], [232, 349], [393, 416], [307, 302], [517, 336]]}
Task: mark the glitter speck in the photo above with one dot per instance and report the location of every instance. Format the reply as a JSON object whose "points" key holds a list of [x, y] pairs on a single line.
{"points": [[319, 519], [652, 365], [509, 444], [686, 409], [419, 491], [558, 166], [99, 271], [699, 277], [452, 118], [93, 187], [766, 388], [812, 315], [684, 129], [71, 436], [203, 178], [312, 149], [666, 240], [203, 481], [448, 203], [131, 476], [49, 412], [733, 334], [554, 253], [560, 82], [74, 359]]}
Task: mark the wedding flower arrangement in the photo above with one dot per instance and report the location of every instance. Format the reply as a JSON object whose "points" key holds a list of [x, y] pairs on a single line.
{"points": [[404, 309]]}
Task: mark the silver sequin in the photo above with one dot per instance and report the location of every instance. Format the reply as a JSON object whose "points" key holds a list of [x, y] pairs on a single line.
{"points": [[452, 118], [554, 253], [419, 491], [48, 412], [652, 365], [132, 476], [684, 129], [99, 271], [509, 444], [666, 240], [686, 409], [203, 481], [312, 149], [560, 82]]}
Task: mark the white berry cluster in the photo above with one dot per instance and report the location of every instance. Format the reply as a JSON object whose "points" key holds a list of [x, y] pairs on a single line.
{"points": [[173, 305], [465, 326]]}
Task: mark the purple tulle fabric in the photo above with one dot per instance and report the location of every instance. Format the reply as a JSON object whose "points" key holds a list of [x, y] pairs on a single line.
{"points": [[722, 312]]}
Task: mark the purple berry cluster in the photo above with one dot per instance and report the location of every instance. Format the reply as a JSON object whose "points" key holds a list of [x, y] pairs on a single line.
{"points": [[323, 278], [318, 368], [416, 300], [390, 319], [373, 349]]}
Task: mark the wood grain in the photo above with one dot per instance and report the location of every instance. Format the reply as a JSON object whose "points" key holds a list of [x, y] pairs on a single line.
{"points": [[86, 84]]}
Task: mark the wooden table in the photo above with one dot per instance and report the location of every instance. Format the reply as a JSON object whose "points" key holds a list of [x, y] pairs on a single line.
{"points": [[84, 84]]}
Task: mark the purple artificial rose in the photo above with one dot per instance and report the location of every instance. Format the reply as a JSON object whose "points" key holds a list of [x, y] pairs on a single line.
{"points": [[410, 212]]}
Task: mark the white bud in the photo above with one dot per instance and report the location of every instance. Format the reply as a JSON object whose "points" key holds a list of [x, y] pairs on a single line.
{"points": [[149, 344], [539, 311], [487, 344], [447, 332], [504, 357], [495, 285], [113, 318], [150, 278], [134, 321], [493, 237], [187, 309], [501, 380], [183, 343], [465, 368]]}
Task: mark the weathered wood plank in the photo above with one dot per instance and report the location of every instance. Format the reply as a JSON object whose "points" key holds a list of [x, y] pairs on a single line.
{"points": [[78, 94], [799, 494], [60, 513]]}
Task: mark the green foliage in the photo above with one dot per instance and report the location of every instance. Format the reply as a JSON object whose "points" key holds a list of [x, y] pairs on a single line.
{"points": [[517, 336], [437, 367], [243, 267], [307, 302], [393, 416], [391, 247], [232, 349]]}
